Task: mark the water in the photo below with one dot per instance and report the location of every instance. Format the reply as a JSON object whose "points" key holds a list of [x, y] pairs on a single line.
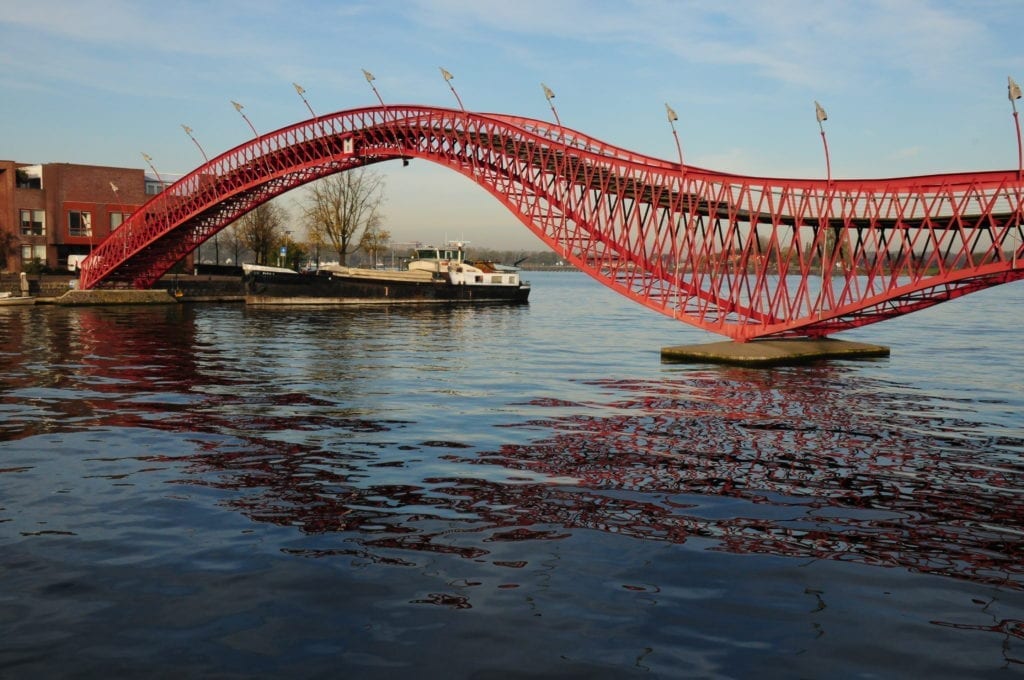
{"points": [[495, 492]]}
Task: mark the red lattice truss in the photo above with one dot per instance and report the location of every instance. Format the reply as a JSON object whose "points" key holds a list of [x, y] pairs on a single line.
{"points": [[745, 257]]}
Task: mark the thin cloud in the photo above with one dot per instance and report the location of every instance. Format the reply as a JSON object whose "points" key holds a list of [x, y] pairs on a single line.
{"points": [[798, 43]]}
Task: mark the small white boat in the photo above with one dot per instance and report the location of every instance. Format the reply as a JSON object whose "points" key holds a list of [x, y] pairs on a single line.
{"points": [[8, 300]]}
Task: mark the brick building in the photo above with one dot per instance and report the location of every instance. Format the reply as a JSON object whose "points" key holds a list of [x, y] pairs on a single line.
{"points": [[54, 213]]}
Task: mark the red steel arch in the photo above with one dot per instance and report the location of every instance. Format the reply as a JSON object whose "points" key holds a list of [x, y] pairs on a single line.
{"points": [[745, 257]]}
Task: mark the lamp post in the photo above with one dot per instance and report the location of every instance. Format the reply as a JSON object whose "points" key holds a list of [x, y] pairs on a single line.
{"points": [[672, 116], [199, 246], [239, 107], [302, 93], [149, 161], [670, 113], [188, 131], [820, 114], [117, 198], [369, 78], [118, 204], [550, 96], [448, 79], [1013, 93]]}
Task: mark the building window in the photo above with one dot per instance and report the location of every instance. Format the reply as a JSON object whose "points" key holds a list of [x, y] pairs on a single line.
{"points": [[79, 223], [29, 177], [33, 222], [30, 254], [153, 188], [116, 220]]}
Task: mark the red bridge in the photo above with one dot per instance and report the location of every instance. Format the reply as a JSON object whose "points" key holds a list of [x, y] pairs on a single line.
{"points": [[745, 257]]}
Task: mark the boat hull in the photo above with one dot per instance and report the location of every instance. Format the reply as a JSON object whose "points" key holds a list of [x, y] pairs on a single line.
{"points": [[266, 288]]}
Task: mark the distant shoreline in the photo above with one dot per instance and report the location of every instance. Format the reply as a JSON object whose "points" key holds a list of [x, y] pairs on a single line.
{"points": [[548, 268]]}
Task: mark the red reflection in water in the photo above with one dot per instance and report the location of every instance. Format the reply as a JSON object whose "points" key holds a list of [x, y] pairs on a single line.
{"points": [[446, 600], [841, 473], [799, 464], [86, 362], [1008, 628], [816, 463]]}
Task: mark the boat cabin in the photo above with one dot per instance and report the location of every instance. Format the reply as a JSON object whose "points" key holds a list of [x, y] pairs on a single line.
{"points": [[452, 253], [450, 263], [432, 258]]}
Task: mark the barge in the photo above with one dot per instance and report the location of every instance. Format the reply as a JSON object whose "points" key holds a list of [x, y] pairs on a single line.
{"points": [[433, 275]]}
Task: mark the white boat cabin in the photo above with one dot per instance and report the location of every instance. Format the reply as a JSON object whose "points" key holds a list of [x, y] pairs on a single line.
{"points": [[451, 261]]}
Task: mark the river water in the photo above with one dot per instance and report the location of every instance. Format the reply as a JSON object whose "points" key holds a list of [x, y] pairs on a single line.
{"points": [[212, 490]]}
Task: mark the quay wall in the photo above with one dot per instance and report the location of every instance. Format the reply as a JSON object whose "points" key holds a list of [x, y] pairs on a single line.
{"points": [[186, 288]]}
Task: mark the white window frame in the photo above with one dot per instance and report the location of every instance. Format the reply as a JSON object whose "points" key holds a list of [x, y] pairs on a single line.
{"points": [[33, 217]]}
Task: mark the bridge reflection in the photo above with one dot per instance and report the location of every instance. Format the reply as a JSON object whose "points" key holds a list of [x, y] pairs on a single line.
{"points": [[785, 464], [817, 463]]}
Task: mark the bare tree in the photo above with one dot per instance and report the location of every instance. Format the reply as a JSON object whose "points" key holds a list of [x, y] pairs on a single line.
{"points": [[231, 236], [340, 208], [261, 229], [374, 241]]}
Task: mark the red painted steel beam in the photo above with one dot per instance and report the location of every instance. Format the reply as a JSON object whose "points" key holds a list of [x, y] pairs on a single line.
{"points": [[746, 257]]}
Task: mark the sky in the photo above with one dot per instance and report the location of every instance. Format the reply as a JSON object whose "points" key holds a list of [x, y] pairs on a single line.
{"points": [[910, 86]]}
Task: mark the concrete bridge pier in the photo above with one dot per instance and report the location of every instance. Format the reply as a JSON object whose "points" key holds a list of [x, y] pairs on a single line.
{"points": [[771, 352]]}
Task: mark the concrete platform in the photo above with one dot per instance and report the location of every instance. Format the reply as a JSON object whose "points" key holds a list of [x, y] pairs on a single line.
{"points": [[115, 297], [771, 352]]}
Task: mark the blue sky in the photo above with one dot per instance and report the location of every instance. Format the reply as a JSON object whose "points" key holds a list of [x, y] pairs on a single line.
{"points": [[910, 86]]}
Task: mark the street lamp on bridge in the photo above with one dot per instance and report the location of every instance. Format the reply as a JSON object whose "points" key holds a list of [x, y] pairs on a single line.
{"points": [[672, 116], [448, 79], [369, 78], [302, 93], [820, 114], [1013, 94], [188, 131], [239, 107], [823, 228], [149, 161], [550, 96]]}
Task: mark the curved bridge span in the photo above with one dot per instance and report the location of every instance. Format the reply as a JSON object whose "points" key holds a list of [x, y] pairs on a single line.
{"points": [[744, 257]]}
